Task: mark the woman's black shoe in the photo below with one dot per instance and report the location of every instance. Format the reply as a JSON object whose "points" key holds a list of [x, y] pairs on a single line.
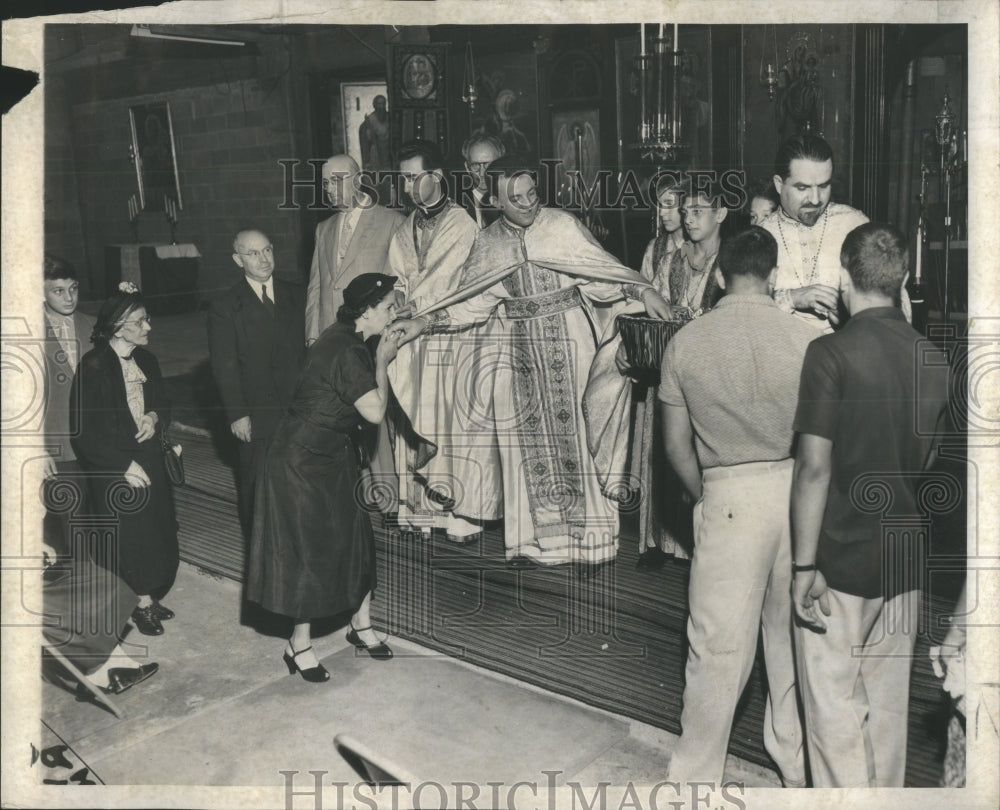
{"points": [[316, 674], [146, 621], [162, 612], [380, 652]]}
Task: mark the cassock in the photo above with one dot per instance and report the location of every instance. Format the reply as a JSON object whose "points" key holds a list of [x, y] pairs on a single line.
{"points": [[439, 385], [558, 458], [811, 255]]}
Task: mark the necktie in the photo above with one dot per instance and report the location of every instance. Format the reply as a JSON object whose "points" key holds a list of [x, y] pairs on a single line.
{"points": [[266, 301], [345, 237]]}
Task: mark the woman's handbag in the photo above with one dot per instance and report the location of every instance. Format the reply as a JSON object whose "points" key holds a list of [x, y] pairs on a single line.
{"points": [[361, 443], [172, 460]]}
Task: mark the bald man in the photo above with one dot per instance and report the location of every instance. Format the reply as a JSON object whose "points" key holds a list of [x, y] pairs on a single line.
{"points": [[353, 241], [255, 342]]}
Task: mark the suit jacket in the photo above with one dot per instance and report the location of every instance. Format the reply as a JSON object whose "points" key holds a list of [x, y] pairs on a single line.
{"points": [[487, 213], [100, 419], [256, 357], [58, 385], [366, 253]]}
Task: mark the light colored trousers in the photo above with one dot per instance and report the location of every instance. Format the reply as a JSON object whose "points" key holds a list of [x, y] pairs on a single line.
{"points": [[740, 582], [855, 682]]}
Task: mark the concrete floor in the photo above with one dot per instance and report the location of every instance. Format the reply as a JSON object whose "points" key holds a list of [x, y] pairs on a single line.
{"points": [[222, 710]]}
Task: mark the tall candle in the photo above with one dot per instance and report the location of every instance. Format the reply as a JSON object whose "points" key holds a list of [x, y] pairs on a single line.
{"points": [[660, 35], [920, 245], [677, 46], [642, 39]]}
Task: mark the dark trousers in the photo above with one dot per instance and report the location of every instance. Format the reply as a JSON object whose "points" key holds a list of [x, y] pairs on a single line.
{"points": [[252, 455], [62, 497]]}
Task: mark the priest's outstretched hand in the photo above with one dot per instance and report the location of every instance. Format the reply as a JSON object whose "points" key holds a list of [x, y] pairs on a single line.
{"points": [[407, 328]]}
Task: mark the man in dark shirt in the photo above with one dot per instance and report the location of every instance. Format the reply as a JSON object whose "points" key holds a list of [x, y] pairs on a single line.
{"points": [[870, 398], [728, 434]]}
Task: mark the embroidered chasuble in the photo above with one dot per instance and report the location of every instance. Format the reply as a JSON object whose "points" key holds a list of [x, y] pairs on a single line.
{"points": [[545, 279], [438, 383]]}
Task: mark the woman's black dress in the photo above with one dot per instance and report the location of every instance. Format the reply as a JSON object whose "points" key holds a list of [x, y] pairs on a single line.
{"points": [[312, 553], [134, 531]]}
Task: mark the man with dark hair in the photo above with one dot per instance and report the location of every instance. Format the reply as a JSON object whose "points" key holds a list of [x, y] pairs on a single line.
{"points": [[427, 152], [479, 151], [443, 490], [810, 230], [67, 332], [728, 434], [692, 279], [870, 398], [547, 271], [256, 345]]}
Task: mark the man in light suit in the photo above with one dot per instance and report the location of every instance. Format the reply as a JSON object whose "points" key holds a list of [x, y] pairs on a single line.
{"points": [[353, 241], [256, 348]]}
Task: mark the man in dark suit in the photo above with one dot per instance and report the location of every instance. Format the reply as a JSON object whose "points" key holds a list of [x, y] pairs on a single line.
{"points": [[479, 151], [353, 241], [255, 339]]}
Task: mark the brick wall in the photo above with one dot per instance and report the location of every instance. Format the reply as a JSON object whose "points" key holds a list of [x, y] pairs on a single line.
{"points": [[228, 140], [63, 227]]}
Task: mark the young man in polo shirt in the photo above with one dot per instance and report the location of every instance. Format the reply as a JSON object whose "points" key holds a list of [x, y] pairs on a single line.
{"points": [[869, 401], [728, 434]]}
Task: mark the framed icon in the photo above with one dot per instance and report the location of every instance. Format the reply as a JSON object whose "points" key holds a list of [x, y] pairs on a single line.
{"points": [[418, 74], [366, 124], [155, 156]]}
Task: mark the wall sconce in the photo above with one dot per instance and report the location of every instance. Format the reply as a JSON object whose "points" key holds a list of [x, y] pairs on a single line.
{"points": [[768, 75], [469, 94]]}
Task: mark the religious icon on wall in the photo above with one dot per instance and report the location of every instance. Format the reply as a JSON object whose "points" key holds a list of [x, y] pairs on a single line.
{"points": [[418, 93], [509, 108], [155, 156], [800, 89], [417, 75], [366, 124]]}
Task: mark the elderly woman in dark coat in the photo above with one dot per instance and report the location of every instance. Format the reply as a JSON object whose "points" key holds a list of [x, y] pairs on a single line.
{"points": [[313, 548], [117, 411]]}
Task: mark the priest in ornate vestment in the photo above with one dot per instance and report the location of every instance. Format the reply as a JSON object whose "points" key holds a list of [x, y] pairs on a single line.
{"points": [[561, 463], [457, 485]]}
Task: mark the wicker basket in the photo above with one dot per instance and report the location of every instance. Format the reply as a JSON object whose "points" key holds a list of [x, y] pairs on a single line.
{"points": [[646, 338]]}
